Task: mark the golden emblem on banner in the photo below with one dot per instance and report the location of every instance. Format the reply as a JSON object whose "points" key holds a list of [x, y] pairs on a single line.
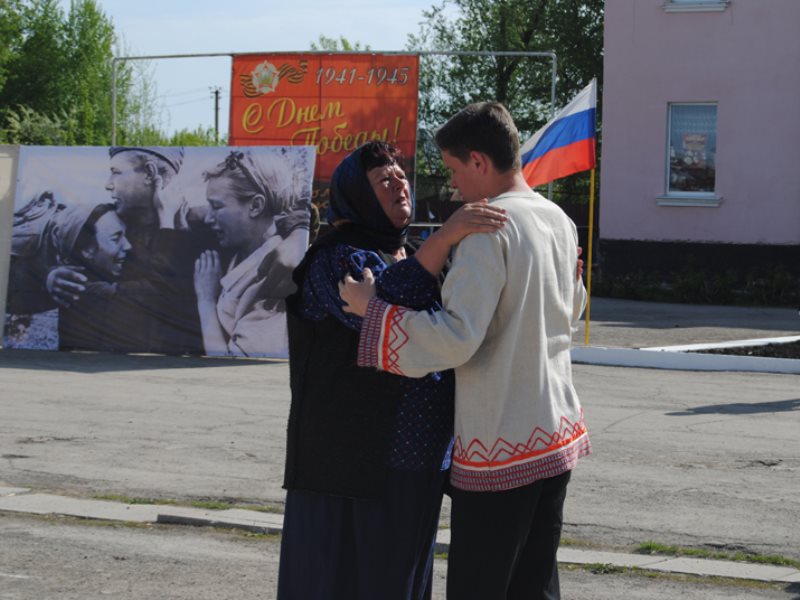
{"points": [[264, 79]]}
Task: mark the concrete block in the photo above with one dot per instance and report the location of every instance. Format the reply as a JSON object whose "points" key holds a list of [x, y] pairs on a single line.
{"points": [[617, 559]]}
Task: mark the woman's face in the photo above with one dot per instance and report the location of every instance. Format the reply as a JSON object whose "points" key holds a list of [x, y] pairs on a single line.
{"points": [[391, 188], [228, 218], [111, 252]]}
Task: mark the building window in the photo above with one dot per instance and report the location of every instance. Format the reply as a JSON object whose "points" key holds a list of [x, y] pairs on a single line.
{"points": [[695, 5], [692, 149]]}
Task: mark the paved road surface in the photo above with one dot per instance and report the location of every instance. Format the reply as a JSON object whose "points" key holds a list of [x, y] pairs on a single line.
{"points": [[699, 459]]}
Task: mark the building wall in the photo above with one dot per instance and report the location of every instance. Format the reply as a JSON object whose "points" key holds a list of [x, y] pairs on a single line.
{"points": [[747, 59]]}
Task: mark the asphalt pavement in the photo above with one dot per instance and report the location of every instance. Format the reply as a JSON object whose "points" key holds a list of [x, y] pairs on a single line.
{"points": [[707, 460]]}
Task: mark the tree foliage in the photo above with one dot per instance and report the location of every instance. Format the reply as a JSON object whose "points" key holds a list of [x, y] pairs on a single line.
{"points": [[342, 44], [55, 69], [88, 47], [56, 73], [151, 136], [571, 28]]}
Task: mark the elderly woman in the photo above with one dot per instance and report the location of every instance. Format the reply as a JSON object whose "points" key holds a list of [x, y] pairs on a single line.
{"points": [[367, 452], [242, 303]]}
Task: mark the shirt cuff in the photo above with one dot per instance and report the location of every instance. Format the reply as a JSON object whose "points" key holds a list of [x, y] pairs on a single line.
{"points": [[369, 339]]}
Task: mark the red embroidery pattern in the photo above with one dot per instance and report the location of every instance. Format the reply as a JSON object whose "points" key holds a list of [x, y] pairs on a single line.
{"points": [[522, 473], [394, 338], [502, 452]]}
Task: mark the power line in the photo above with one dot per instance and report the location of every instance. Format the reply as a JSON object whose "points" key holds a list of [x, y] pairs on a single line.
{"points": [[186, 102], [184, 93]]}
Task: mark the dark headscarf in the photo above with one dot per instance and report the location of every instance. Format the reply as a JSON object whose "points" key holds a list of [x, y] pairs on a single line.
{"points": [[352, 200]]}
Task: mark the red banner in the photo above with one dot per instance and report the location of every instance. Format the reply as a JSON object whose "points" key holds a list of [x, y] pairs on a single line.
{"points": [[335, 102]]}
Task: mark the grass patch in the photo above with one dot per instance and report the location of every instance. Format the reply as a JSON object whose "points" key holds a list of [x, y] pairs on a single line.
{"points": [[204, 504], [651, 547], [575, 543], [84, 522], [132, 500], [604, 569], [102, 523], [220, 505]]}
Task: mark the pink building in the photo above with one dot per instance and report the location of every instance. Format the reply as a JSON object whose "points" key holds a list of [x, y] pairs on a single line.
{"points": [[701, 136]]}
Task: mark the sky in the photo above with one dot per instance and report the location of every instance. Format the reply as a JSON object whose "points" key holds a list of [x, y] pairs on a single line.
{"points": [[166, 27]]}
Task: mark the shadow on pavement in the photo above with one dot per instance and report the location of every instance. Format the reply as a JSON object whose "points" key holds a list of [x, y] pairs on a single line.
{"points": [[740, 408], [97, 362], [794, 588]]}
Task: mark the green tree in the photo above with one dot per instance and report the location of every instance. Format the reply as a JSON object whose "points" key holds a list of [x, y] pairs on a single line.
{"points": [[35, 64], [150, 136], [56, 71], [88, 49], [11, 34], [342, 44], [571, 28], [26, 126]]}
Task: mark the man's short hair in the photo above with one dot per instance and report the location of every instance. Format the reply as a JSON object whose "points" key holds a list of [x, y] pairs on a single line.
{"points": [[168, 159], [485, 127]]}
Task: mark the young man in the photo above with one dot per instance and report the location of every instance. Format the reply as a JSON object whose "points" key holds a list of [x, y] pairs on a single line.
{"points": [[511, 301]]}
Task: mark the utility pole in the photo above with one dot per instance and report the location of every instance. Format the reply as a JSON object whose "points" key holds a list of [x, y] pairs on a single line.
{"points": [[215, 93]]}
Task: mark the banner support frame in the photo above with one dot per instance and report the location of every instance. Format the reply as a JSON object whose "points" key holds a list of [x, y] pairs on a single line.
{"points": [[120, 59]]}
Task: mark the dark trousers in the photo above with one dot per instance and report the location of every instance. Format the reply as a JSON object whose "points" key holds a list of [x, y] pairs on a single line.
{"points": [[336, 548], [503, 544]]}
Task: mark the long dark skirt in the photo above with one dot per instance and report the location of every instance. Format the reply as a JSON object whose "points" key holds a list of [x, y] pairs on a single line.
{"points": [[336, 548]]}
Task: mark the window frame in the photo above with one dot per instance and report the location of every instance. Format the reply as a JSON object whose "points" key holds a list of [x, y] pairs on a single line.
{"points": [[687, 198], [695, 5]]}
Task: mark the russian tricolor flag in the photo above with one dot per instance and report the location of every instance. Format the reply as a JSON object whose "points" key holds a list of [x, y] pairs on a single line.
{"points": [[566, 145]]}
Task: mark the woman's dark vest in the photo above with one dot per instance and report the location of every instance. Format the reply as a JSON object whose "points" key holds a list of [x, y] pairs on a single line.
{"points": [[341, 416]]}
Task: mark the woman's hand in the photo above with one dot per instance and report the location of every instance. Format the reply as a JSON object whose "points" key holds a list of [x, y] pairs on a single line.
{"points": [[357, 294], [167, 202], [207, 273], [182, 216], [473, 217]]}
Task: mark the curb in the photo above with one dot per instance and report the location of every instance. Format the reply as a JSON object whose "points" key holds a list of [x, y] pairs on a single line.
{"points": [[684, 359], [21, 500]]}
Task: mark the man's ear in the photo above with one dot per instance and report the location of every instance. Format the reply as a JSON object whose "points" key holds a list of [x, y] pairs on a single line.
{"points": [[479, 161], [258, 205], [151, 171]]}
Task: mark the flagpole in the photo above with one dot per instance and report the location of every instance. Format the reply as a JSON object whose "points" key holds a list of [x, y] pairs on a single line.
{"points": [[589, 263]]}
